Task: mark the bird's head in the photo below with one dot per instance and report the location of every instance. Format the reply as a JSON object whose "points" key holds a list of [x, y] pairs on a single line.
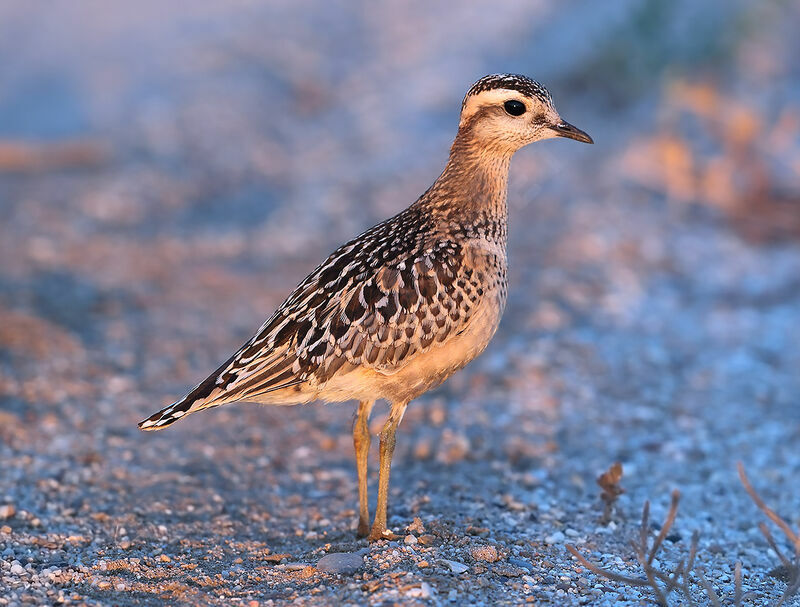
{"points": [[507, 111]]}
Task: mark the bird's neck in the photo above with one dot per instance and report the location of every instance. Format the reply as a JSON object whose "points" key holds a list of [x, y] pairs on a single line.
{"points": [[473, 186]]}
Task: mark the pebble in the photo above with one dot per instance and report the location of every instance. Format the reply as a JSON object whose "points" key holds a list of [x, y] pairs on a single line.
{"points": [[423, 591], [7, 511], [508, 570], [555, 538], [485, 553], [520, 563], [455, 566], [416, 526], [410, 539], [17, 569], [341, 563]]}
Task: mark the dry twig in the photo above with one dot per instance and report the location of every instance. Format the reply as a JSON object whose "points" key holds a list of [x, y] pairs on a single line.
{"points": [[662, 584], [609, 483], [791, 566], [737, 584], [701, 575]]}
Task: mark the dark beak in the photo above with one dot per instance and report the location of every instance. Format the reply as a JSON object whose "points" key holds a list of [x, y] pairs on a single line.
{"points": [[565, 129]]}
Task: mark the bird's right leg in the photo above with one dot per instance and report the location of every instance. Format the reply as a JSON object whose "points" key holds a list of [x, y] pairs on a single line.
{"points": [[361, 440], [379, 531]]}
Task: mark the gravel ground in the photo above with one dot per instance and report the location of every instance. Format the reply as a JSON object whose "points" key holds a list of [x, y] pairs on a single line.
{"points": [[183, 167]]}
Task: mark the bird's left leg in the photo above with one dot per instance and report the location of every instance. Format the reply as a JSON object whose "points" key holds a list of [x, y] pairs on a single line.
{"points": [[387, 450], [361, 442]]}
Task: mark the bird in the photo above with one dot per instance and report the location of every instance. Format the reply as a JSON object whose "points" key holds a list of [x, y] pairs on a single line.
{"points": [[398, 309]]}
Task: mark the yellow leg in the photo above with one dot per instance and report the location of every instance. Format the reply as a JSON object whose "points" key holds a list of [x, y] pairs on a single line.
{"points": [[387, 449], [361, 440]]}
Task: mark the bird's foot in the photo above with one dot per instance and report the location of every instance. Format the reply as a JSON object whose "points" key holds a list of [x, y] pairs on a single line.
{"points": [[363, 529], [382, 534]]}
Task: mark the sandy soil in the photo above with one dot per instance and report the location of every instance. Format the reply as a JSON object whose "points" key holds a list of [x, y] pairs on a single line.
{"points": [[167, 175]]}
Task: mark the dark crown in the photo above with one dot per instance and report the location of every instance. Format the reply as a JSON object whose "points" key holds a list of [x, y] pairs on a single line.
{"points": [[514, 82]]}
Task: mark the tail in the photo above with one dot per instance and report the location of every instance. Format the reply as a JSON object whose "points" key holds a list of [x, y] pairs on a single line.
{"points": [[168, 415], [196, 400]]}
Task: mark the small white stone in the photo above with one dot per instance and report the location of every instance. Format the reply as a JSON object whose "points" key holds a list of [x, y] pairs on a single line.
{"points": [[410, 539], [423, 591], [17, 569], [455, 566], [555, 538]]}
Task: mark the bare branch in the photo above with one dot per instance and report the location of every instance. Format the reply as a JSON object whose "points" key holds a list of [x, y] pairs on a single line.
{"points": [[693, 550], [660, 598], [769, 512], [671, 582], [616, 577], [772, 544], [791, 589], [651, 574], [644, 530], [792, 567], [679, 579], [737, 584], [707, 587], [673, 512], [789, 592], [646, 554]]}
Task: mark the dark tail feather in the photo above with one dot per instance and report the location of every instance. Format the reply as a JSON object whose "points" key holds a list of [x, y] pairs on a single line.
{"points": [[168, 415], [188, 404]]}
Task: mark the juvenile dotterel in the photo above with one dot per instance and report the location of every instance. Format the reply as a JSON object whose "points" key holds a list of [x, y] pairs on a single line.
{"points": [[400, 308]]}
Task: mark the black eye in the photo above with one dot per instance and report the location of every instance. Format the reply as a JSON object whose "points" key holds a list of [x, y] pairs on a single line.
{"points": [[514, 107]]}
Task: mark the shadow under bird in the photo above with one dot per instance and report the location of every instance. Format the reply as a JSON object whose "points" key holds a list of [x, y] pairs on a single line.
{"points": [[400, 308]]}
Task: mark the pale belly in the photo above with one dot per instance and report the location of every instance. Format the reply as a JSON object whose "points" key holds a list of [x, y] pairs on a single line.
{"points": [[427, 369], [437, 364]]}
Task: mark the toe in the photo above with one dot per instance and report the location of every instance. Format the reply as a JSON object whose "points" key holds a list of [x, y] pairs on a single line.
{"points": [[382, 534]]}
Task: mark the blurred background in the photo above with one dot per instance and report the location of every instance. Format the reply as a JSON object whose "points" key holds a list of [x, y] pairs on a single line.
{"points": [[169, 171]]}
